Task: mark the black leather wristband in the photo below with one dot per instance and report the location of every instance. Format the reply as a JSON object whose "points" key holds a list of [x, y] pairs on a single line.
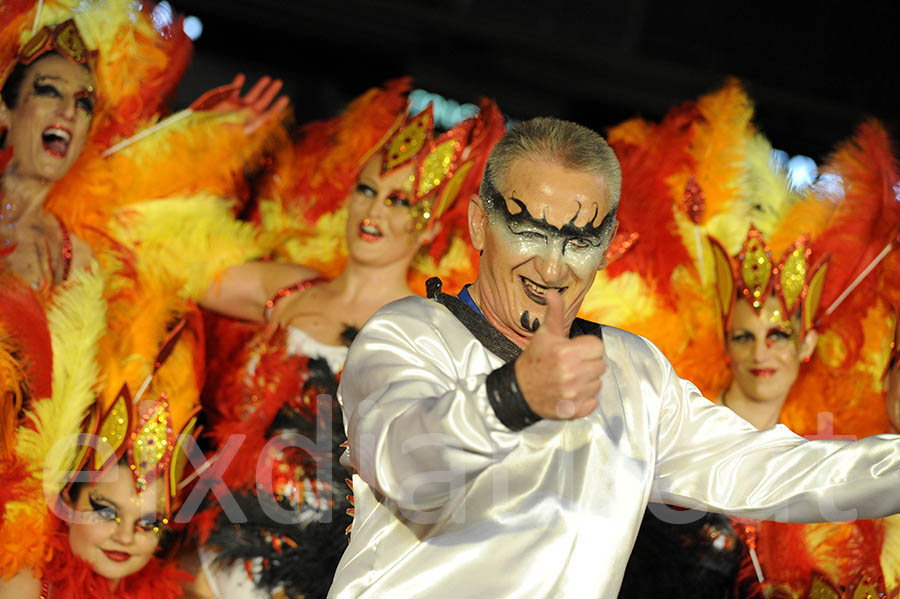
{"points": [[507, 400]]}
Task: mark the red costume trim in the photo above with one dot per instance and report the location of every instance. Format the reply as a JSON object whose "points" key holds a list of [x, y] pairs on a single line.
{"points": [[286, 291], [70, 577], [66, 249]]}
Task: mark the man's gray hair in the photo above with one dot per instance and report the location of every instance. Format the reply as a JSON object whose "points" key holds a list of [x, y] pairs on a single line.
{"points": [[560, 142]]}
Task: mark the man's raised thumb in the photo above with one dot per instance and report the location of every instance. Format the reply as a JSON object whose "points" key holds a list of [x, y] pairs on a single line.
{"points": [[553, 320]]}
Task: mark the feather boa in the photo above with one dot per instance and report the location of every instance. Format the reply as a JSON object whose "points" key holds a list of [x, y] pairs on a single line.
{"points": [[70, 577]]}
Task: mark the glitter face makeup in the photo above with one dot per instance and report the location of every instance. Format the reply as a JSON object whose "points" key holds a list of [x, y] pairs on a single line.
{"points": [[581, 248], [765, 350], [548, 229], [380, 228], [115, 529]]}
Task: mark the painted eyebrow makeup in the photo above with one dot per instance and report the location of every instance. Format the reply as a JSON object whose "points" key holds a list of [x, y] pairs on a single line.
{"points": [[593, 234]]}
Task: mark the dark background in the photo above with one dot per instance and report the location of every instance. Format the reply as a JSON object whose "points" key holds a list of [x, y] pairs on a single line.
{"points": [[813, 71]]}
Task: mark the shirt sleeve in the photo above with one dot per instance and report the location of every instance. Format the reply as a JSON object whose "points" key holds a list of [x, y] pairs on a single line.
{"points": [[419, 423], [710, 458]]}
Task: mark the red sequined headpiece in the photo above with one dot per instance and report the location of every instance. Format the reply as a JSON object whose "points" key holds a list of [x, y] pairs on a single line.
{"points": [[144, 431], [442, 166], [794, 280], [63, 39]]}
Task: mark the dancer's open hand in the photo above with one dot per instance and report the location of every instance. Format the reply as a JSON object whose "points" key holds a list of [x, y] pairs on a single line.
{"points": [[260, 100]]}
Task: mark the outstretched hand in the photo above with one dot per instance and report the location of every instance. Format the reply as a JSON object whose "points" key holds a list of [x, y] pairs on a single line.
{"points": [[558, 376], [260, 100]]}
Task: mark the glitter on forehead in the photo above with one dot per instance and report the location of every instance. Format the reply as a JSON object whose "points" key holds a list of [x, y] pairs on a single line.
{"points": [[778, 319]]}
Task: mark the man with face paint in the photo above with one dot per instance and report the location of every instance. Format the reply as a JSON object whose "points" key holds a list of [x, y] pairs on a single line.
{"points": [[505, 448]]}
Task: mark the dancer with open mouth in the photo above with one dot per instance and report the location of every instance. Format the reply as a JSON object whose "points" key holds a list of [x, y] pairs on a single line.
{"points": [[403, 185], [48, 101]]}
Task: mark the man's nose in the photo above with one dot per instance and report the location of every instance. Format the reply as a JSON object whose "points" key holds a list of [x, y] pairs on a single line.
{"points": [[551, 266]]}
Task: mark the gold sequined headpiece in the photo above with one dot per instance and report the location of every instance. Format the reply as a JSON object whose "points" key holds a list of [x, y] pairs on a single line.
{"points": [[144, 431], [752, 275], [439, 165]]}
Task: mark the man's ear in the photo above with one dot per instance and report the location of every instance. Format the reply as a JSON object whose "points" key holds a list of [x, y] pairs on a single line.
{"points": [[612, 235], [809, 344], [477, 221]]}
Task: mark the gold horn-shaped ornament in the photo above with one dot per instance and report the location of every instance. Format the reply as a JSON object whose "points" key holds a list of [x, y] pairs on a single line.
{"points": [[451, 189], [724, 276], [820, 588], [93, 422], [408, 141], [115, 427], [180, 458], [790, 274], [755, 269], [153, 442], [813, 293]]}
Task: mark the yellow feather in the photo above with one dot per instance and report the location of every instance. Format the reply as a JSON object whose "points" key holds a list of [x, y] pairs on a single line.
{"points": [[719, 147], [890, 553], [76, 320], [322, 246], [766, 190], [186, 240], [807, 216], [619, 301]]}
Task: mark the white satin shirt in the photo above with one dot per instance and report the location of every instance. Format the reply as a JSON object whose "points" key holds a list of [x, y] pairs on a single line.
{"points": [[452, 504]]}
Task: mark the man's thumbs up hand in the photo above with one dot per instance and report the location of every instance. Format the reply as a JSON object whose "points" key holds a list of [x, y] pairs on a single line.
{"points": [[560, 377]]}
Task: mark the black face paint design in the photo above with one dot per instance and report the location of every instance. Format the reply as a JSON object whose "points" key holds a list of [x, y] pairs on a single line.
{"points": [[577, 252], [528, 324], [569, 237]]}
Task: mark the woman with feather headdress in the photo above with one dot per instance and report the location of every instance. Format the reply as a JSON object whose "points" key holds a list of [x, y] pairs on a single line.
{"points": [[83, 89], [371, 199], [744, 294], [85, 517]]}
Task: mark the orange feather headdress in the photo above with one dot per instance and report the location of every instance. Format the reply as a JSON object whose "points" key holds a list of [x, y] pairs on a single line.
{"points": [[305, 196]]}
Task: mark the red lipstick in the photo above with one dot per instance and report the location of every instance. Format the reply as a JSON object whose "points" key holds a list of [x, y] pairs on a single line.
{"points": [[369, 231], [116, 556], [762, 373], [56, 140]]}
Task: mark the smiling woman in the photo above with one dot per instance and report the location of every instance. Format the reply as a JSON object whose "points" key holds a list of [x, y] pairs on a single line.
{"points": [[97, 480], [754, 320], [113, 528]]}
